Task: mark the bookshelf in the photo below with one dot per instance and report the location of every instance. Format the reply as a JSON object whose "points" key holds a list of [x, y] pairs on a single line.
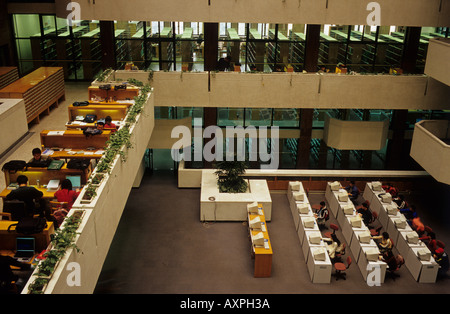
{"points": [[91, 52], [256, 50], [167, 48], [233, 45], [297, 51]]}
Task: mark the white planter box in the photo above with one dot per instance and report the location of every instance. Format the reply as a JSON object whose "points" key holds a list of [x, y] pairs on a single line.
{"points": [[216, 206]]}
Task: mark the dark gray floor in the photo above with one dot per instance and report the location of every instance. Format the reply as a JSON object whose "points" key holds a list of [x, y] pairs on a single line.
{"points": [[161, 247]]}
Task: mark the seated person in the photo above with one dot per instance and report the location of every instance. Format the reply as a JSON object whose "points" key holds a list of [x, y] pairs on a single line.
{"points": [[409, 212], [365, 213], [386, 244], [353, 191], [38, 159], [389, 188], [418, 226], [442, 259], [334, 247], [26, 194], [400, 201], [322, 214], [109, 125], [66, 193], [7, 276]]}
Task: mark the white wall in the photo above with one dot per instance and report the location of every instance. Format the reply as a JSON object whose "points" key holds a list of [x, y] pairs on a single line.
{"points": [[348, 12]]}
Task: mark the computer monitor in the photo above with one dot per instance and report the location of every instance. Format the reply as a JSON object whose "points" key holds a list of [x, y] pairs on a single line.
{"points": [[255, 223], [25, 247], [252, 208], [258, 239], [75, 180]]}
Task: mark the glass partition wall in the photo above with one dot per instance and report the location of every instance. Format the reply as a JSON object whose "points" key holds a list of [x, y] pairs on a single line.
{"points": [[179, 46]]}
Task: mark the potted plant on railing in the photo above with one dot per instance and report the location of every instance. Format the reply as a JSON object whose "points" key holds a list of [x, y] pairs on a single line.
{"points": [[38, 286]]}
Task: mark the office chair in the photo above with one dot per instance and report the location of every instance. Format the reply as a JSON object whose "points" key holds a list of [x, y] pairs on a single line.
{"points": [[334, 227], [392, 269], [55, 205], [16, 209], [341, 268]]}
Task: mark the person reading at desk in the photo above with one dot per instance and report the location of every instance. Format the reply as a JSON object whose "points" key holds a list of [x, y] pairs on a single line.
{"points": [[38, 159], [386, 244], [109, 125], [26, 194], [66, 193], [353, 191]]}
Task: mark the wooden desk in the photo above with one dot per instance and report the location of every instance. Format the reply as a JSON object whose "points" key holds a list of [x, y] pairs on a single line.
{"points": [[262, 255], [39, 90], [122, 94], [115, 111], [44, 175], [8, 239], [77, 142], [47, 195], [127, 103]]}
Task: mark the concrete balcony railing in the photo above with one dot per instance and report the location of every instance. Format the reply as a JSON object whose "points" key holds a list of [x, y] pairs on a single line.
{"points": [[357, 135], [349, 12], [438, 61], [102, 213], [298, 90], [430, 148]]}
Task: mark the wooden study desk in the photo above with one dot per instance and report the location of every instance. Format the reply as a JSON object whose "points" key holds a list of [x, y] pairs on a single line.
{"points": [[74, 144], [40, 89], [44, 176], [116, 111], [95, 92], [47, 194], [8, 239], [262, 255]]}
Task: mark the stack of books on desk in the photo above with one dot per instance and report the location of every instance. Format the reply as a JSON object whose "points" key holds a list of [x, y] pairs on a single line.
{"points": [[13, 186], [52, 185]]}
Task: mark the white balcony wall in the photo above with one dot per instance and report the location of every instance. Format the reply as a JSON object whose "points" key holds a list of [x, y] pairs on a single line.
{"points": [[438, 60], [349, 12], [297, 90], [430, 149]]}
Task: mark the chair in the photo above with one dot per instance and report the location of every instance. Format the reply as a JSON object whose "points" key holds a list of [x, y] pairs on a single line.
{"points": [[341, 268], [16, 209], [374, 219], [55, 205], [392, 269], [334, 227]]}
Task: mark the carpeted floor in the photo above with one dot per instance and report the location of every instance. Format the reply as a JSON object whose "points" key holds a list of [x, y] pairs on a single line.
{"points": [[161, 247]]}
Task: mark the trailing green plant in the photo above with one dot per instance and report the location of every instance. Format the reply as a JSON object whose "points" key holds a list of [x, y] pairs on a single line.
{"points": [[62, 239], [37, 286]]}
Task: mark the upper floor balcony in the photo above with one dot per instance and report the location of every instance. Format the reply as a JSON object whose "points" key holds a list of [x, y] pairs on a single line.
{"points": [[355, 12], [438, 61], [431, 148]]}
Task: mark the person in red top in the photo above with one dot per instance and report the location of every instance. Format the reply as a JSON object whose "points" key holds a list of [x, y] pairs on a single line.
{"points": [[109, 125], [66, 194]]}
